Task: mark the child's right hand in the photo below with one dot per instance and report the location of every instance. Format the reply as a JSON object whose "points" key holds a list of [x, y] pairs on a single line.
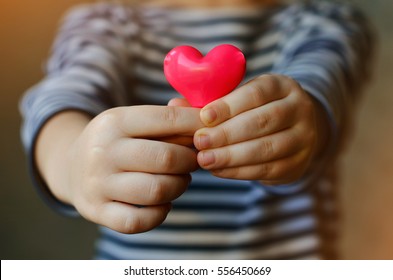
{"points": [[119, 177]]}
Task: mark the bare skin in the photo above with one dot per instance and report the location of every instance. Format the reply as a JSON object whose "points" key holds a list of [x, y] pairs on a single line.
{"points": [[269, 129], [107, 165]]}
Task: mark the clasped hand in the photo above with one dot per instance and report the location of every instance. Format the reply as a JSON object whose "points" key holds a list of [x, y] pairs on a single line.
{"points": [[270, 130], [130, 163]]}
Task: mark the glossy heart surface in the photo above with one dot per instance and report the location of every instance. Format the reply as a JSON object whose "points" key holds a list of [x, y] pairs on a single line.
{"points": [[203, 79]]}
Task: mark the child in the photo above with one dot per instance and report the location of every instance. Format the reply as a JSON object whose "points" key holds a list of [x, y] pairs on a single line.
{"points": [[260, 183]]}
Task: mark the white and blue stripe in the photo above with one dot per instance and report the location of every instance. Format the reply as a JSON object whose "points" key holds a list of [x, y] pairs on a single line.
{"points": [[109, 55]]}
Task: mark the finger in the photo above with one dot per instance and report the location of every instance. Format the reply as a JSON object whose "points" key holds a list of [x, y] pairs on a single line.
{"points": [[281, 171], [181, 102], [256, 123], [257, 92], [186, 141], [129, 219], [252, 152], [144, 188], [140, 155], [158, 121]]}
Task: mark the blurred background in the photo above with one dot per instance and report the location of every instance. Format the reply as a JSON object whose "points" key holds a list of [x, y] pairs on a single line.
{"points": [[29, 230]]}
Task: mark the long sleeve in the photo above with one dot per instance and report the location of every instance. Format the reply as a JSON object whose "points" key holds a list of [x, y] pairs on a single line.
{"points": [[323, 46], [328, 50], [87, 71]]}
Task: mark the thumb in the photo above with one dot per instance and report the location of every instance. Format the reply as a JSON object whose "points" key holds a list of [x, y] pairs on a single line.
{"points": [[179, 102]]}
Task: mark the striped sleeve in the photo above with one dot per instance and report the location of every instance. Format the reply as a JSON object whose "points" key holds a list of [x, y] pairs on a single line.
{"points": [[327, 48], [87, 71]]}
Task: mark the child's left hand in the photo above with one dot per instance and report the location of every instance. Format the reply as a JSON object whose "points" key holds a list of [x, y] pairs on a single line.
{"points": [[269, 129]]}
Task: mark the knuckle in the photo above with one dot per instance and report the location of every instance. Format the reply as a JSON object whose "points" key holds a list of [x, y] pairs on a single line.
{"points": [[157, 191], [103, 128], [226, 110], [257, 93], [287, 82], [226, 136], [223, 158], [263, 120], [292, 82], [168, 159], [108, 118], [170, 115], [270, 82], [131, 224], [267, 148]]}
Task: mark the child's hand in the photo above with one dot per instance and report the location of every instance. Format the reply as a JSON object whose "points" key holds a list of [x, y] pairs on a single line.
{"points": [[270, 129], [115, 166]]}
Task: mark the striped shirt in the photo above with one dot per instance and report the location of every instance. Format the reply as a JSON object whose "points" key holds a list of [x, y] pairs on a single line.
{"points": [[109, 55]]}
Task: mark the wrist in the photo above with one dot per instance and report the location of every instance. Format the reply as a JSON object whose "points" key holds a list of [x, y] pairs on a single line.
{"points": [[54, 149]]}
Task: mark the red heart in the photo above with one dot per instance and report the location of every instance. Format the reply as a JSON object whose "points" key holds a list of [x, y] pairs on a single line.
{"points": [[204, 79]]}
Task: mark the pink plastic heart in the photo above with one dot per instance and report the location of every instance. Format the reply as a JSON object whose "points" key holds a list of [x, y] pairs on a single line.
{"points": [[203, 79]]}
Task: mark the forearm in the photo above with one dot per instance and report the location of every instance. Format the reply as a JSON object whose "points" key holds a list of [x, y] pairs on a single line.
{"points": [[329, 56], [52, 150]]}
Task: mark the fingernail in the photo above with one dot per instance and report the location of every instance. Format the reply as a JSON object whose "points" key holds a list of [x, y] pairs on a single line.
{"points": [[203, 141], [207, 158], [208, 116]]}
